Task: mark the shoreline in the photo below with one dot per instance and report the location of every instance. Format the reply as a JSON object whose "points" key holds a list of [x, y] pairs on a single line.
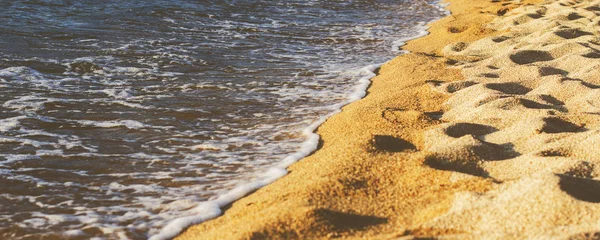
{"points": [[410, 160], [208, 210], [188, 233]]}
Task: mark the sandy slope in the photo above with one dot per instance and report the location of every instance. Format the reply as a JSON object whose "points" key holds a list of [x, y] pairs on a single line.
{"points": [[489, 129]]}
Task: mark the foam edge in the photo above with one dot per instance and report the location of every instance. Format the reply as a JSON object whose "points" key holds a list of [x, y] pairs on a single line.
{"points": [[211, 209]]}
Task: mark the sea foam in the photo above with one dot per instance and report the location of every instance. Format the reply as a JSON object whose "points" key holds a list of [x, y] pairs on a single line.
{"points": [[211, 209], [161, 127]]}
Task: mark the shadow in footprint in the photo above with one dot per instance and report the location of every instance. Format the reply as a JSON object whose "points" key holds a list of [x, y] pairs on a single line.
{"points": [[535, 15], [530, 56], [571, 33], [434, 115], [574, 16], [534, 105], [502, 11], [500, 39], [489, 75], [557, 125], [592, 55], [495, 152], [456, 29], [553, 153], [594, 8], [589, 85], [461, 129], [509, 88], [580, 188], [550, 99], [345, 221], [391, 144], [435, 83], [547, 71], [467, 167]]}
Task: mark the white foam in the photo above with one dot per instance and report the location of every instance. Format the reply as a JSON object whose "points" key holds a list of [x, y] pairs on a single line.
{"points": [[209, 147], [212, 209], [131, 124], [42, 152], [396, 45], [117, 93], [10, 158], [10, 123], [132, 105], [24, 73], [421, 29], [73, 233], [31, 103], [133, 70], [204, 211], [138, 188], [169, 20]]}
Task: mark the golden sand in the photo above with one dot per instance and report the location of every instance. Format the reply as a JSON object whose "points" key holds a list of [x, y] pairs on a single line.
{"points": [[488, 129]]}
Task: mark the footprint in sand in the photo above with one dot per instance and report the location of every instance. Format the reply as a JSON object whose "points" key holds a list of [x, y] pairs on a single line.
{"points": [[571, 33], [530, 56], [525, 116], [391, 144]]}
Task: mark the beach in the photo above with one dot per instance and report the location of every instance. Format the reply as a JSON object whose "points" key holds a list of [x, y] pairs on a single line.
{"points": [[488, 129], [115, 124]]}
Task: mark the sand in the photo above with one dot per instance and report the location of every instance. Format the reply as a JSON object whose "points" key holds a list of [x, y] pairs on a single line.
{"points": [[488, 129]]}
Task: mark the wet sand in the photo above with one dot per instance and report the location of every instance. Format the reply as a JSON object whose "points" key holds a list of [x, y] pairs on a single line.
{"points": [[488, 129]]}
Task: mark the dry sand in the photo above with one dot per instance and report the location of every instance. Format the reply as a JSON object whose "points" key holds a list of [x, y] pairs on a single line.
{"points": [[489, 129]]}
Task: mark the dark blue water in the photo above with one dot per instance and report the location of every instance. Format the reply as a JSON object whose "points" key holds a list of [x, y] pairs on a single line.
{"points": [[119, 116]]}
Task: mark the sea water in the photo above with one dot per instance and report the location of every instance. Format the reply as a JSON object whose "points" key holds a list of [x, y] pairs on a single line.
{"points": [[132, 119]]}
